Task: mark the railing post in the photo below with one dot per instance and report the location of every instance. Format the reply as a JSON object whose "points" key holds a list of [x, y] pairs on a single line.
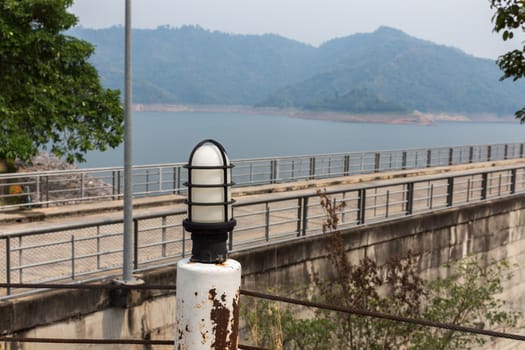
{"points": [[82, 188], [499, 185], [387, 205], [299, 211], [8, 264], [431, 196], [346, 165], [429, 158], [267, 223], [184, 242], [471, 154], [489, 153], [164, 235], [410, 198], [404, 160], [28, 196], [47, 191], [98, 247], [37, 190], [147, 180], [312, 168], [20, 260], [72, 257], [505, 151], [305, 216], [521, 150], [174, 181], [450, 156], [361, 206], [469, 185], [161, 179], [113, 183], [484, 185], [178, 179], [136, 244], [118, 184], [513, 178], [377, 162], [343, 218], [273, 171], [375, 202], [450, 191]]}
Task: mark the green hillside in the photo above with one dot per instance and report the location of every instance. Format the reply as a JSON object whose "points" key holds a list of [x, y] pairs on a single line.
{"points": [[380, 72]]}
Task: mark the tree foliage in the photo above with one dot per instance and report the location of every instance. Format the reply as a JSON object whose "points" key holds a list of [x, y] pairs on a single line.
{"points": [[50, 96], [508, 19]]}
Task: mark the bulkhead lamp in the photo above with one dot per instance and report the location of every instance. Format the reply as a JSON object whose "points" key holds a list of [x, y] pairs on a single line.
{"points": [[210, 215]]}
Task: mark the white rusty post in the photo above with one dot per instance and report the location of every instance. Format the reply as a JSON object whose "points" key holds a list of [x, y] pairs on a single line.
{"points": [[208, 283], [207, 305]]}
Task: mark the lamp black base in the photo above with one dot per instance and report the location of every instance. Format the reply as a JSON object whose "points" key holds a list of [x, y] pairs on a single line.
{"points": [[209, 248], [209, 241]]}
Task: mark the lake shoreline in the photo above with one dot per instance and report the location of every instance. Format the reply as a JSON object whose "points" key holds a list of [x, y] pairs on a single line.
{"points": [[411, 118]]}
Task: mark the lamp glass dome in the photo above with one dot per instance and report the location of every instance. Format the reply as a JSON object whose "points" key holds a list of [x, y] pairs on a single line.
{"points": [[209, 165]]}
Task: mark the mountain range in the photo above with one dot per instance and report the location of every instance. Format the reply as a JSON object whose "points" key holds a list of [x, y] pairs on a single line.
{"points": [[380, 72]]}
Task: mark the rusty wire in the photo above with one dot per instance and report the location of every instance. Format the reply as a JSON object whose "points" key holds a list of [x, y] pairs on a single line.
{"points": [[381, 315], [102, 341], [349, 310], [87, 341]]}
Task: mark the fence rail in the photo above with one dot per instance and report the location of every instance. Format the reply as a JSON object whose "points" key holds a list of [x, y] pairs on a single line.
{"points": [[82, 250], [74, 186]]}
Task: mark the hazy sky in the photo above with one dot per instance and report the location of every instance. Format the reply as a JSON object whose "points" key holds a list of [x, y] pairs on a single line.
{"points": [[465, 24]]}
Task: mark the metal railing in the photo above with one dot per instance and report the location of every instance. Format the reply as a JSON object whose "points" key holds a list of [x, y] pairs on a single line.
{"points": [[74, 186], [80, 251]]}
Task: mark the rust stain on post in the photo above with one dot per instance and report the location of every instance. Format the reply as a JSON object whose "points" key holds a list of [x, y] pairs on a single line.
{"points": [[233, 339], [220, 317]]}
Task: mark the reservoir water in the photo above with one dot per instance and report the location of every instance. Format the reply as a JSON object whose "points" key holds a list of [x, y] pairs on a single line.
{"points": [[167, 137]]}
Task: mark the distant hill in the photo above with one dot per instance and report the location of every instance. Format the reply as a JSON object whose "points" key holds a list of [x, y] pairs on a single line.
{"points": [[195, 66], [380, 72]]}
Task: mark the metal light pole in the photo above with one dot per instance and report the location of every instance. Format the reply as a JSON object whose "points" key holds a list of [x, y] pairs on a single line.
{"points": [[127, 264], [208, 284]]}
